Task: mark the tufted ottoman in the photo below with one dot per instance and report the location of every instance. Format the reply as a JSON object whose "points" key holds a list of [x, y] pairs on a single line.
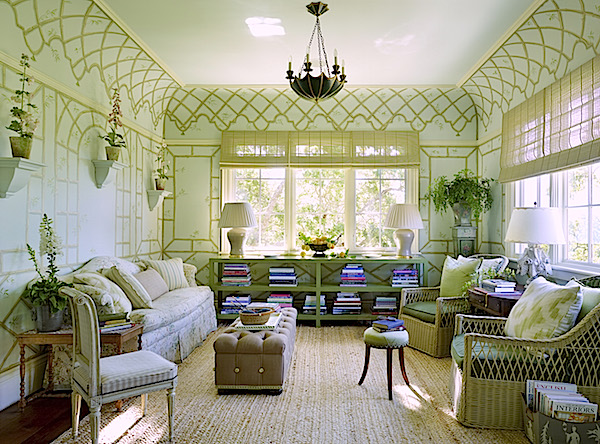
{"points": [[255, 360]]}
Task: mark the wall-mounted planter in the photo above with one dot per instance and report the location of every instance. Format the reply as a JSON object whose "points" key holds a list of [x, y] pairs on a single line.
{"points": [[155, 197], [106, 171], [15, 173]]}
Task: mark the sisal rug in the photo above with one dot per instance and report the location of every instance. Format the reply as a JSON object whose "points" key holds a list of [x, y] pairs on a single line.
{"points": [[321, 402]]}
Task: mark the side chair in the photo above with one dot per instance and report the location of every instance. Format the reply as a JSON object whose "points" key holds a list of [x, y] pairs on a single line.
{"points": [[102, 380]]}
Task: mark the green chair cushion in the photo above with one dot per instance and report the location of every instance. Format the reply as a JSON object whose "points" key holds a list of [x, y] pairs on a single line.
{"points": [[423, 310], [457, 351]]}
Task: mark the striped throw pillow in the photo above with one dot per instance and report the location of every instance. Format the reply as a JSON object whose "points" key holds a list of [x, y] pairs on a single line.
{"points": [[171, 271], [134, 290]]}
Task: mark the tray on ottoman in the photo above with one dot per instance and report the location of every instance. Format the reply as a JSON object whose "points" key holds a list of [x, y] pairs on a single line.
{"points": [[255, 360]]}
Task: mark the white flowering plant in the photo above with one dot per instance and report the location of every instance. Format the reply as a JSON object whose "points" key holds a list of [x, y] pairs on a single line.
{"points": [[162, 165], [24, 122], [45, 291]]}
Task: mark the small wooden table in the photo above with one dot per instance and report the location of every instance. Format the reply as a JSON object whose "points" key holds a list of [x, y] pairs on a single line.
{"points": [[496, 305], [65, 337]]}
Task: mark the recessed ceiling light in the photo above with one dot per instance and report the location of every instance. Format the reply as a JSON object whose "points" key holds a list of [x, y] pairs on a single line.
{"points": [[264, 26]]}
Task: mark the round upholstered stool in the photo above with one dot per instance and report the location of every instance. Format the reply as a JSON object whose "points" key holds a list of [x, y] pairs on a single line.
{"points": [[389, 341]]}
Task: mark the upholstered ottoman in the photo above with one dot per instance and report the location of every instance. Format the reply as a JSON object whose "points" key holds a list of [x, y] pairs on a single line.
{"points": [[255, 360]]}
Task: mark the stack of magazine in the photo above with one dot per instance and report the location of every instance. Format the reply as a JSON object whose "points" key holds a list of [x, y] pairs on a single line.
{"points": [[560, 400], [113, 322]]}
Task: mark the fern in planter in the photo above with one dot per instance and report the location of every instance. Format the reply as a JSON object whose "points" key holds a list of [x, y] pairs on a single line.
{"points": [[464, 189]]}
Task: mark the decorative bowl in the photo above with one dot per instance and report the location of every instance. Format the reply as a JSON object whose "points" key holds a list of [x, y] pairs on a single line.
{"points": [[256, 318], [319, 249]]}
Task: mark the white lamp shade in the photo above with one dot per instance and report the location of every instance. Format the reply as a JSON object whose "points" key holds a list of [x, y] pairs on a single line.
{"points": [[535, 226], [237, 215], [403, 216]]}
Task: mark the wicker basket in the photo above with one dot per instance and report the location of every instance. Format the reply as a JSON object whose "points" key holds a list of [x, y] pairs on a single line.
{"points": [[256, 318]]}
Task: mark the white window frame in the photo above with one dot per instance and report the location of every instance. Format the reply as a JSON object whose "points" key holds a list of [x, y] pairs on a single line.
{"points": [[228, 195]]}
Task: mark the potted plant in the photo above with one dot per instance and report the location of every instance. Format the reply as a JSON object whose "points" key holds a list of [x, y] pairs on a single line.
{"points": [[44, 294], [115, 140], [465, 194], [24, 122], [162, 168]]}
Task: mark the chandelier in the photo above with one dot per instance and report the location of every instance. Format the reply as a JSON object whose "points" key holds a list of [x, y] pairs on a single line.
{"points": [[327, 83]]}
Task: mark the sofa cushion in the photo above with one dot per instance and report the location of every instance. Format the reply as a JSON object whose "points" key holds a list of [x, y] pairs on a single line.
{"points": [[152, 282], [190, 271], [591, 298], [102, 299], [134, 290], [423, 310], [456, 273], [171, 307], [545, 310], [100, 263], [120, 301], [171, 271]]}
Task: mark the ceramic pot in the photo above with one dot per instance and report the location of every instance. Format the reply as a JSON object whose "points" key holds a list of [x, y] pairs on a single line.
{"points": [[46, 321], [112, 152], [160, 183], [21, 146], [462, 214]]}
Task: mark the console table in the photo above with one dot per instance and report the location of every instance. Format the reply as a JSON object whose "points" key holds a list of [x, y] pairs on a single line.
{"points": [[316, 276], [65, 337]]}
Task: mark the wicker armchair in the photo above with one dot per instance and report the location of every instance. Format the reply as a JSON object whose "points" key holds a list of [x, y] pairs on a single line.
{"points": [[434, 335], [486, 389]]}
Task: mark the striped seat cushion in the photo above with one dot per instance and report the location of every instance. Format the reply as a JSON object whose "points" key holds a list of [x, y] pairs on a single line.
{"points": [[135, 369], [171, 271]]}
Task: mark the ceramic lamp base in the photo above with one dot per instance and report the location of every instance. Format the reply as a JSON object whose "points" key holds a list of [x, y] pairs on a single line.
{"points": [[237, 239], [404, 239]]}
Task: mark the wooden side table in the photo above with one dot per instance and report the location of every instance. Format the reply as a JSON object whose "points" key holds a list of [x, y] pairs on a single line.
{"points": [[65, 337], [496, 305]]}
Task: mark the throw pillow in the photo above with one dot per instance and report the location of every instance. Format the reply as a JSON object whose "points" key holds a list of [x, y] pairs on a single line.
{"points": [[171, 271], [190, 274], [136, 293], [591, 298], [120, 301], [545, 310], [102, 299], [152, 282], [456, 273]]}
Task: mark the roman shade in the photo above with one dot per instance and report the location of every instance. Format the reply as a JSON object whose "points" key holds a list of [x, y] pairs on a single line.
{"points": [[320, 149], [556, 129]]}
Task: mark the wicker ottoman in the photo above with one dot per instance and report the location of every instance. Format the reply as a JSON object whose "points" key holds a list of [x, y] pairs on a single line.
{"points": [[255, 360]]}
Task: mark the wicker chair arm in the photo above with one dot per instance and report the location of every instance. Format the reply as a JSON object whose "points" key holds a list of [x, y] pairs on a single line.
{"points": [[489, 325], [410, 295]]}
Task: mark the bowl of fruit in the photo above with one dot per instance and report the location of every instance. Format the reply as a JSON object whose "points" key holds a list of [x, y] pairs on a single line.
{"points": [[317, 244]]}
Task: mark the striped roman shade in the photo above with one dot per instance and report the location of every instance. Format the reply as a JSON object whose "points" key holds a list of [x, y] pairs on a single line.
{"points": [[171, 271], [320, 149]]}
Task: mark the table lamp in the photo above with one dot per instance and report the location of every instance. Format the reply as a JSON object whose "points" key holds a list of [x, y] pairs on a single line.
{"points": [[238, 216], [404, 218], [535, 226]]}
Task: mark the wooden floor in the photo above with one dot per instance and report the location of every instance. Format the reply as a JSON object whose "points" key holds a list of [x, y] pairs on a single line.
{"points": [[42, 421]]}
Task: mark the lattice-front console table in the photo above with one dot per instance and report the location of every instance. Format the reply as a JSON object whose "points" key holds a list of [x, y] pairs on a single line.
{"points": [[316, 276]]}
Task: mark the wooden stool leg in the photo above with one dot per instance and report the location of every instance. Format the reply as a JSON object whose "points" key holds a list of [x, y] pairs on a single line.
{"points": [[401, 357], [366, 367], [389, 371]]}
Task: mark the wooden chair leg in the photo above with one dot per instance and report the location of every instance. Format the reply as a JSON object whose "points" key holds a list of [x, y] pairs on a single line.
{"points": [[389, 371], [75, 412], [95, 421], [144, 403], [366, 367], [401, 357], [170, 410]]}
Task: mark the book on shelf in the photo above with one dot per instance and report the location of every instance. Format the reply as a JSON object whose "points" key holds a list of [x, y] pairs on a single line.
{"points": [[283, 299]]}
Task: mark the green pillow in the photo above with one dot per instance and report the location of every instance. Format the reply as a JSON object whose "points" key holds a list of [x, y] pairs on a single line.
{"points": [[456, 273], [591, 298], [545, 310]]}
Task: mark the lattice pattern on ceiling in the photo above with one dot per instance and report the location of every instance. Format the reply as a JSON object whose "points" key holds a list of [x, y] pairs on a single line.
{"points": [[353, 108], [91, 40], [558, 37]]}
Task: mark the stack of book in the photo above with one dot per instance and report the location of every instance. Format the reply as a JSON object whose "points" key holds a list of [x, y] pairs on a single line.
{"points": [[389, 323], [114, 322], [353, 275], [385, 306], [347, 303], [405, 277], [560, 400], [236, 275], [234, 303], [498, 286], [310, 304], [283, 299], [282, 277]]}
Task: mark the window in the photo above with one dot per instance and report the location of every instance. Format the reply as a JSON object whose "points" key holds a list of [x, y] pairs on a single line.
{"points": [[352, 202], [577, 191]]}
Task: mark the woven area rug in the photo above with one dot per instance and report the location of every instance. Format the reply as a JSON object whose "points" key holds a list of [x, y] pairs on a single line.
{"points": [[321, 402]]}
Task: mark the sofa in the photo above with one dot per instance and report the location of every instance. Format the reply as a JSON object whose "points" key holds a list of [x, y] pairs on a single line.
{"points": [[175, 322]]}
